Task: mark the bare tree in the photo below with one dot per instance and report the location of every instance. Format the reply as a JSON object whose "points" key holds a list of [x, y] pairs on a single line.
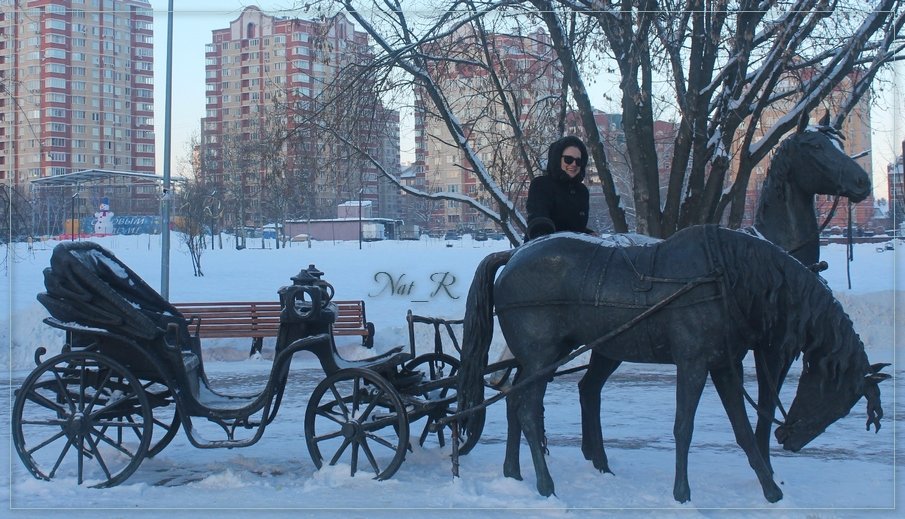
{"points": [[725, 67], [190, 210], [722, 69]]}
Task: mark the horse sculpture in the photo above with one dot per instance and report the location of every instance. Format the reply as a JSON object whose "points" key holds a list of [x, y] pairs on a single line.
{"points": [[808, 163], [722, 293]]}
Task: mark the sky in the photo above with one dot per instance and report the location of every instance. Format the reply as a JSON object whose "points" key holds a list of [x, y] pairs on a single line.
{"points": [[846, 472], [192, 28]]}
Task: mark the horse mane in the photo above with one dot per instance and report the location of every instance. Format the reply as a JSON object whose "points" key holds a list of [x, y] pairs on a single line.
{"points": [[780, 165], [792, 309]]}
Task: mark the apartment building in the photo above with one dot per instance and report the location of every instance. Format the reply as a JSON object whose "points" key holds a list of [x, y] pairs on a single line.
{"points": [[895, 175], [270, 76], [78, 87], [527, 68]]}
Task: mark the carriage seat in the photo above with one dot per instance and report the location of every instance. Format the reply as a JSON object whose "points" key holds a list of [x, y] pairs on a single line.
{"points": [[324, 348]]}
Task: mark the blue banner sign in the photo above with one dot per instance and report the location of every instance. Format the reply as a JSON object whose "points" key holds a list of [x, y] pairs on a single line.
{"points": [[127, 225]]}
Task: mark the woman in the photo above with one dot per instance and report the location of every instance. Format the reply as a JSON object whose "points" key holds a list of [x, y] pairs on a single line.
{"points": [[558, 200]]}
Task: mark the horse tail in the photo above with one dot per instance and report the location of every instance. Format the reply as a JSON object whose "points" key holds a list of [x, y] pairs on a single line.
{"points": [[476, 335]]}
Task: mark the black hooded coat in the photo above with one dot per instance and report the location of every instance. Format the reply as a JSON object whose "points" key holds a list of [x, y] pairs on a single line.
{"points": [[557, 202]]}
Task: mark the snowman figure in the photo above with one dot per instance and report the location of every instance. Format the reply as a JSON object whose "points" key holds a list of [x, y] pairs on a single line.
{"points": [[104, 223]]}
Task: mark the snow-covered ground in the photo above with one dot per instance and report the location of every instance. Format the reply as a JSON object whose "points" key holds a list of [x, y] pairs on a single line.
{"points": [[845, 472]]}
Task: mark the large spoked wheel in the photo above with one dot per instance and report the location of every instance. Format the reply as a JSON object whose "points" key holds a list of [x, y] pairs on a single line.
{"points": [[355, 416], [82, 415], [436, 366]]}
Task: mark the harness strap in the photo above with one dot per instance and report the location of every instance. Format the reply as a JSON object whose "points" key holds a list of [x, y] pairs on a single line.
{"points": [[771, 383], [549, 370]]}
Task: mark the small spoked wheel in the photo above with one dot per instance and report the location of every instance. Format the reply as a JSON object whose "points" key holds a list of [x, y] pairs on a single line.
{"points": [[82, 415], [435, 366], [355, 416]]}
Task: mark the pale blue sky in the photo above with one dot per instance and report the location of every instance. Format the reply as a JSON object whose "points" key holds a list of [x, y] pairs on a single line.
{"points": [[194, 20]]}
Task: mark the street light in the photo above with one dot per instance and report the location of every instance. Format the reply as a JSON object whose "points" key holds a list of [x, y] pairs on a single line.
{"points": [[360, 223], [165, 205]]}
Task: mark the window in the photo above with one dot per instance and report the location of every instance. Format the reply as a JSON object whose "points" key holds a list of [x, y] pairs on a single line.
{"points": [[55, 53], [55, 82], [55, 24]]}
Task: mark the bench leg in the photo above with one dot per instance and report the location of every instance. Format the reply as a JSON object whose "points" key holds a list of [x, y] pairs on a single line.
{"points": [[257, 344], [368, 340]]}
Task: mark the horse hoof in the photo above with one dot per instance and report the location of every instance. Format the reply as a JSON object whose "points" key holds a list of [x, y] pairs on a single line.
{"points": [[516, 475], [606, 470], [545, 490], [682, 496], [773, 495]]}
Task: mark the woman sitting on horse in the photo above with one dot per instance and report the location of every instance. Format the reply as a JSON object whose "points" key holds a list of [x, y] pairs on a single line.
{"points": [[559, 200]]}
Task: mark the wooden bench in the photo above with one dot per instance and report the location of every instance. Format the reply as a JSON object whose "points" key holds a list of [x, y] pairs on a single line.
{"points": [[260, 319]]}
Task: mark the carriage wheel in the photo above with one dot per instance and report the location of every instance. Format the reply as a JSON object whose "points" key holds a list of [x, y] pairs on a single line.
{"points": [[83, 415], [356, 415], [435, 366], [166, 415]]}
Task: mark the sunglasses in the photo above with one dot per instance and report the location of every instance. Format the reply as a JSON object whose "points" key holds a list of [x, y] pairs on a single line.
{"points": [[568, 159]]}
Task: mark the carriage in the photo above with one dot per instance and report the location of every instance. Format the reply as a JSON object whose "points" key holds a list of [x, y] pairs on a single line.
{"points": [[131, 374]]}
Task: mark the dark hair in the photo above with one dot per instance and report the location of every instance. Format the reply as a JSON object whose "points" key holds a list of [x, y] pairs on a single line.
{"points": [[554, 154]]}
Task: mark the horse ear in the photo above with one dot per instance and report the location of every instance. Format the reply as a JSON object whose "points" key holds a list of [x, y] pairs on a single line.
{"points": [[874, 368], [825, 120]]}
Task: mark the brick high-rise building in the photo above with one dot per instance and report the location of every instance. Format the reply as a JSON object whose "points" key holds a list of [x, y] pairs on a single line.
{"points": [[77, 88], [266, 74], [895, 175], [528, 69]]}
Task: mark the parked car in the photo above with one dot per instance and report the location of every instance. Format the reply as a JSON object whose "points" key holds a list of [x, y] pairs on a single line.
{"points": [[480, 236], [452, 235]]}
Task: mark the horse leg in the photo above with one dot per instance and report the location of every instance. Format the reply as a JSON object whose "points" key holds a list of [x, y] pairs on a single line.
{"points": [[770, 376], [531, 418], [729, 387], [689, 386], [589, 387], [511, 465]]}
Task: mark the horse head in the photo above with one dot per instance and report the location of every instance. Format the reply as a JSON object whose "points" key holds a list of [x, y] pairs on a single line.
{"points": [[826, 395], [824, 168]]}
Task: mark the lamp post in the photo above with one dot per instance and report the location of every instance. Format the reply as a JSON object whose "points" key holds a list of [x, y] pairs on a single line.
{"points": [[360, 222], [165, 202]]}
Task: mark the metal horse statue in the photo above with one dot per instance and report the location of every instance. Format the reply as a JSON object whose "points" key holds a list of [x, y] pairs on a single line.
{"points": [[718, 294], [810, 162]]}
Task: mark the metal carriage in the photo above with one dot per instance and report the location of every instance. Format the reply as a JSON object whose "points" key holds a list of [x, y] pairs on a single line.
{"points": [[131, 374]]}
